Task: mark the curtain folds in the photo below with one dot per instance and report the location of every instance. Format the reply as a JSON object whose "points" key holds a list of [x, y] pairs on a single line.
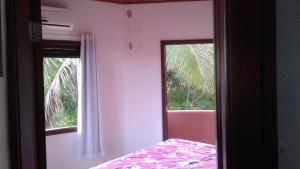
{"points": [[89, 135]]}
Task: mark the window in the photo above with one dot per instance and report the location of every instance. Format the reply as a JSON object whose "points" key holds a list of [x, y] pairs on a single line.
{"points": [[60, 68], [190, 76], [188, 88]]}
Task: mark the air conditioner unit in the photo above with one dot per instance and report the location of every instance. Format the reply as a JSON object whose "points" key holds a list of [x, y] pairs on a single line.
{"points": [[51, 19]]}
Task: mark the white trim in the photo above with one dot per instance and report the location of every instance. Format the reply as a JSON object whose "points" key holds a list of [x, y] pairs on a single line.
{"points": [[191, 111], [62, 37], [54, 9]]}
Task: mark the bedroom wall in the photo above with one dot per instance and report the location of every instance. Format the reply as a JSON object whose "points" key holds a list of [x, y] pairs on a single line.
{"points": [[105, 21], [4, 152], [288, 82], [61, 153], [131, 80], [142, 67]]}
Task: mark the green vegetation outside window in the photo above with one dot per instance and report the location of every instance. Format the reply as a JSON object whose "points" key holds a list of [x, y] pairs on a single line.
{"points": [[190, 76], [61, 61]]}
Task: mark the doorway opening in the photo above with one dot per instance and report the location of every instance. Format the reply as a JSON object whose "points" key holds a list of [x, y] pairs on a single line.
{"points": [[256, 124], [189, 94]]}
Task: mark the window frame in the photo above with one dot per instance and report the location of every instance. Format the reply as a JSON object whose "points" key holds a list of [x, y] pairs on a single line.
{"points": [[62, 130], [163, 45], [60, 49]]}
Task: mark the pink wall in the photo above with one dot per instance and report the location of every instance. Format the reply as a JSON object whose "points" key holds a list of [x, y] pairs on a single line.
{"points": [[130, 80], [105, 21], [193, 125], [142, 66]]}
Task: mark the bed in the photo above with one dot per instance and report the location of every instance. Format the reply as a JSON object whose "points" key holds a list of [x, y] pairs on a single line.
{"points": [[171, 154]]}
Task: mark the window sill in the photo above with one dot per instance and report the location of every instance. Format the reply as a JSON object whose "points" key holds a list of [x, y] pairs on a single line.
{"points": [[64, 130]]}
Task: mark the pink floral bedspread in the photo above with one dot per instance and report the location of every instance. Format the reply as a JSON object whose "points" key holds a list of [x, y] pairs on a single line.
{"points": [[171, 154]]}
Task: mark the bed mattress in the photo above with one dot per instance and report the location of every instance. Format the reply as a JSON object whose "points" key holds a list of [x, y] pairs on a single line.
{"points": [[171, 154]]}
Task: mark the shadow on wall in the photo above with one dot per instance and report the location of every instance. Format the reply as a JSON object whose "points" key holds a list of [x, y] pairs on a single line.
{"points": [[197, 126]]}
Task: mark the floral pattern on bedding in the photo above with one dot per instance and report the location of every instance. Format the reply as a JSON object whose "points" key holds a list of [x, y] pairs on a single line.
{"points": [[171, 154]]}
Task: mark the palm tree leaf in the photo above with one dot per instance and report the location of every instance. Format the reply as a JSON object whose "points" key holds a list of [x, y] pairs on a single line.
{"points": [[60, 74], [194, 63]]}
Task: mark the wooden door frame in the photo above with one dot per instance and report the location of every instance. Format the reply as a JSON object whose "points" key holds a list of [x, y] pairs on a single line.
{"points": [[163, 44], [245, 42], [26, 125], [245, 34]]}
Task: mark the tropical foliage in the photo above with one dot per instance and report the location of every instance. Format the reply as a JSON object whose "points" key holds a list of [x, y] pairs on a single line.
{"points": [[190, 83], [190, 76], [61, 92]]}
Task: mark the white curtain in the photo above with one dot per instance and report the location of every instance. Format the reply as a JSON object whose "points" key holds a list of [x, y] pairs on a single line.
{"points": [[89, 136]]}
